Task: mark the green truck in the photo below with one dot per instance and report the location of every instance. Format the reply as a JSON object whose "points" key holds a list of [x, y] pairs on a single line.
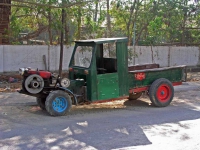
{"points": [[99, 71]]}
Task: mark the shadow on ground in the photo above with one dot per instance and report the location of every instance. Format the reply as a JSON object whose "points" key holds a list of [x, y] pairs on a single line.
{"points": [[97, 126]]}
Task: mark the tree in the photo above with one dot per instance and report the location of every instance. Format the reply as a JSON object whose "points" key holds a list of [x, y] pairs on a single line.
{"points": [[153, 22], [38, 16]]}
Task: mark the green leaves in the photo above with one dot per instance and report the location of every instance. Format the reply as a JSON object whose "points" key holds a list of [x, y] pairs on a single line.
{"points": [[157, 21]]}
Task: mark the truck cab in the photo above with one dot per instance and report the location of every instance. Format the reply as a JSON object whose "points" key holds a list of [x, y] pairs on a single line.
{"points": [[101, 67]]}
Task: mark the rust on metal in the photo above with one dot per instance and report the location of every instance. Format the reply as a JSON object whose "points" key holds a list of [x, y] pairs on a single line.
{"points": [[142, 67], [139, 89], [176, 83]]}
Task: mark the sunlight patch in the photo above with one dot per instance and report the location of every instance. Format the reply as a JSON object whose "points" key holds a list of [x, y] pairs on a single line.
{"points": [[72, 142], [84, 124], [173, 133], [123, 130], [55, 148], [51, 140], [78, 131], [68, 131], [15, 138]]}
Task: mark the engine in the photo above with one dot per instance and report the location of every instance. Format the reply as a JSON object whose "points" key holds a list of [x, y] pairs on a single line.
{"points": [[35, 81]]}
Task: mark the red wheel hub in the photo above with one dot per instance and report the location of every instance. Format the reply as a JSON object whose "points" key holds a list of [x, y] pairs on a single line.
{"points": [[163, 93]]}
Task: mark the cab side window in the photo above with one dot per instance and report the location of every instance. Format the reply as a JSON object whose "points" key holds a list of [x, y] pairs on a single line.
{"points": [[106, 58]]}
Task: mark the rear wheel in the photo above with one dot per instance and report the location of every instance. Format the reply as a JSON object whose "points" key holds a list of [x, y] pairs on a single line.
{"points": [[161, 92], [58, 103], [134, 96], [41, 102]]}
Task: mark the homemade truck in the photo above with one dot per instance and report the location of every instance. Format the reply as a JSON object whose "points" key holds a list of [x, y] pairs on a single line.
{"points": [[98, 71]]}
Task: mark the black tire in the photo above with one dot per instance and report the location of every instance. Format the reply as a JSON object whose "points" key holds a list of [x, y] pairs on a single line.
{"points": [[134, 96], [41, 102], [161, 92], [58, 103]]}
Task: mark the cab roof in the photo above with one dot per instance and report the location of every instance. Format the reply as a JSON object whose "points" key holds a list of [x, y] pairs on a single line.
{"points": [[103, 40]]}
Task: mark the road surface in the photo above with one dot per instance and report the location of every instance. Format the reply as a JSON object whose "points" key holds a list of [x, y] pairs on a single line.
{"points": [[119, 125]]}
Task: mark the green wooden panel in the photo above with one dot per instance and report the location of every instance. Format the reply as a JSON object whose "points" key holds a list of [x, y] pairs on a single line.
{"points": [[122, 68], [107, 85], [173, 75], [92, 94]]}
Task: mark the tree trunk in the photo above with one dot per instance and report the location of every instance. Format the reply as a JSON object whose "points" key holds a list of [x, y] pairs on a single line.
{"points": [[108, 19], [66, 32], [62, 43], [78, 36], [130, 22], [49, 27], [183, 29], [96, 11]]}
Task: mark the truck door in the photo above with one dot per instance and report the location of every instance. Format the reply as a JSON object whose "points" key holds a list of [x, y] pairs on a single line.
{"points": [[107, 73]]}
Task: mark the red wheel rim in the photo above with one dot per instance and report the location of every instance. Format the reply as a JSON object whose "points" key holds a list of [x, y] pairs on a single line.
{"points": [[163, 93]]}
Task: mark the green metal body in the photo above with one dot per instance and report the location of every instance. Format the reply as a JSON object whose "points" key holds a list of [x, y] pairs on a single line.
{"points": [[173, 74], [108, 78]]}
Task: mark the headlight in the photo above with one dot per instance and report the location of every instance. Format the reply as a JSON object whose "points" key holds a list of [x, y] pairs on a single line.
{"points": [[21, 71], [65, 82]]}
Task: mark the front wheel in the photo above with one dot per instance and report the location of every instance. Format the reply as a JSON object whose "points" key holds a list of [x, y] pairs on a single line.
{"points": [[58, 103], [161, 92]]}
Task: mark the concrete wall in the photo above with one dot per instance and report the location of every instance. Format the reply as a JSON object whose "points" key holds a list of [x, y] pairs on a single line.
{"points": [[14, 57], [55, 57], [184, 55], [1, 59], [23, 56], [165, 56]]}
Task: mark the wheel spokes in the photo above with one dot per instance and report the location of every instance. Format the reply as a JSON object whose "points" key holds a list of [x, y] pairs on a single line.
{"points": [[59, 104]]}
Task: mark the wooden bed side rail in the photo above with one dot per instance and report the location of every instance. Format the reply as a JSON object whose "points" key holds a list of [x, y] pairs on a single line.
{"points": [[143, 66], [158, 69]]}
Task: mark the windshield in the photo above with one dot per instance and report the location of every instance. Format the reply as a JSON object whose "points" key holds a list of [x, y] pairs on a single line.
{"points": [[82, 56]]}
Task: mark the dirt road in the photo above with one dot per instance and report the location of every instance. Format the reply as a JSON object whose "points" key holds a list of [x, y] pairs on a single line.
{"points": [[118, 125]]}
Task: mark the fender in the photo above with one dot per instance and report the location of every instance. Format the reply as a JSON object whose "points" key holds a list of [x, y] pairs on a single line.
{"points": [[68, 91]]}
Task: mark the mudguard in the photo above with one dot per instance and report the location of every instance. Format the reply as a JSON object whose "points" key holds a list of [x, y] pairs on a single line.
{"points": [[70, 92]]}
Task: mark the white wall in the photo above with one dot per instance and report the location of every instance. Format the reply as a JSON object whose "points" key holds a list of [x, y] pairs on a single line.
{"points": [[161, 55], [23, 56], [1, 59], [55, 57], [184, 55], [165, 56], [14, 57]]}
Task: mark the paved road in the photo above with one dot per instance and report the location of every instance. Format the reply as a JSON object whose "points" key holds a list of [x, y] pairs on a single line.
{"points": [[122, 125]]}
